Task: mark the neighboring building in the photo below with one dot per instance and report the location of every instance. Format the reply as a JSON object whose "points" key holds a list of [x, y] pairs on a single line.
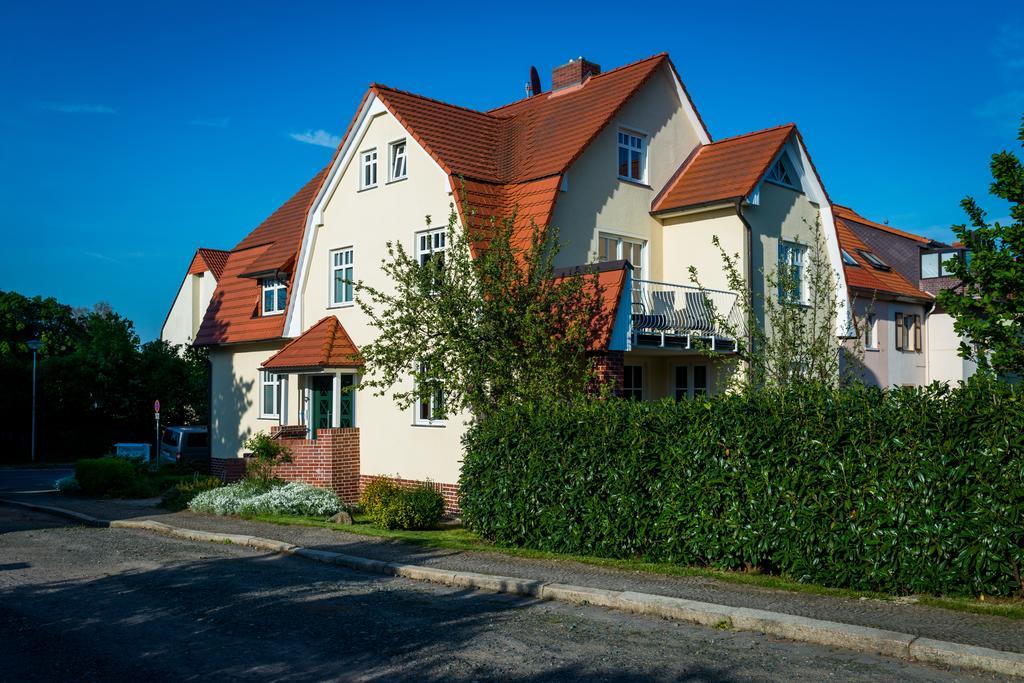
{"points": [[893, 277], [189, 307], [620, 161]]}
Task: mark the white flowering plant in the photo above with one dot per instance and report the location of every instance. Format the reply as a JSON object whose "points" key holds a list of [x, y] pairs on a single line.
{"points": [[249, 498]]}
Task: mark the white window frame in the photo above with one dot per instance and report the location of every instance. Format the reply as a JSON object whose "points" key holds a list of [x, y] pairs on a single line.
{"points": [[620, 241], [690, 389], [335, 267], [368, 165], [267, 379], [393, 157], [625, 139], [796, 255], [431, 403], [430, 242], [788, 169], [273, 285], [870, 332]]}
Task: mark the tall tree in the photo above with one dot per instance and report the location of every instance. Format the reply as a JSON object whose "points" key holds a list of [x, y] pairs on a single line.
{"points": [[988, 308], [484, 321]]}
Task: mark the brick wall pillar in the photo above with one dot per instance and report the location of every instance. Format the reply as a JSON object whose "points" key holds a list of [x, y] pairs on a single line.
{"points": [[609, 366], [330, 461], [227, 469]]}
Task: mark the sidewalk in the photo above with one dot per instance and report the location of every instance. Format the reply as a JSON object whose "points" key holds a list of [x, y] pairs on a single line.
{"points": [[993, 632]]}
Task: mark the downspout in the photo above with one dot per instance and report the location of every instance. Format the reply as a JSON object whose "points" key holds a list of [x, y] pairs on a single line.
{"points": [[748, 256], [928, 342]]}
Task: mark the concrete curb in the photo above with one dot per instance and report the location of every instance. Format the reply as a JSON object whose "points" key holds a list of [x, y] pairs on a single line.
{"points": [[792, 627]]}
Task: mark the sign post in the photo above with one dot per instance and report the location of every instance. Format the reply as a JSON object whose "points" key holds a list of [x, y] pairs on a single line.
{"points": [[156, 451]]}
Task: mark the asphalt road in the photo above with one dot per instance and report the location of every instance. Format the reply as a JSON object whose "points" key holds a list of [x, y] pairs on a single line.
{"points": [[100, 604], [40, 479]]}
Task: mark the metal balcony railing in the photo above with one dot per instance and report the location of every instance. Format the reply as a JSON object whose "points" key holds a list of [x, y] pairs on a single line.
{"points": [[664, 311]]}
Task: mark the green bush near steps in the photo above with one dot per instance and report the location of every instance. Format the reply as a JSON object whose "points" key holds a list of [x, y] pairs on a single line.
{"points": [[391, 506], [899, 491]]}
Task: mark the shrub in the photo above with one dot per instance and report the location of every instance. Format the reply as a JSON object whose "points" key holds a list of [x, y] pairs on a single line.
{"points": [[908, 490], [267, 452], [67, 485], [249, 497], [178, 496], [390, 506], [104, 476]]}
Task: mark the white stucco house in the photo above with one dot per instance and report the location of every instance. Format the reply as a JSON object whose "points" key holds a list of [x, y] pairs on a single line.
{"points": [[620, 160]]}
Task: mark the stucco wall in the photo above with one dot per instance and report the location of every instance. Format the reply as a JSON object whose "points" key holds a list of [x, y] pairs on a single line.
{"points": [[688, 242], [188, 308], [598, 201], [944, 362], [659, 372], [235, 388], [884, 366], [366, 220]]}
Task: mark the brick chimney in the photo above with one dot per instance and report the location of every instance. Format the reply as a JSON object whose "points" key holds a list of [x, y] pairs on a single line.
{"points": [[573, 73]]}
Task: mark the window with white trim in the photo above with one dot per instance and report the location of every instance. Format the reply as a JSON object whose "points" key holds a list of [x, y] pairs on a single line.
{"points": [[368, 169], [428, 408], [431, 244], [397, 163], [615, 247], [342, 276], [270, 394], [633, 382], [691, 381], [791, 274], [275, 296], [871, 331], [632, 156], [783, 173]]}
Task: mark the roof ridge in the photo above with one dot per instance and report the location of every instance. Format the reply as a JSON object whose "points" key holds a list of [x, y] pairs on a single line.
{"points": [[863, 220], [595, 76], [752, 133], [381, 86]]}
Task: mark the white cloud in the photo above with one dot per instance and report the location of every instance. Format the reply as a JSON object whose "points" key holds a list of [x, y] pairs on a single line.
{"points": [[317, 137], [211, 123], [66, 108]]}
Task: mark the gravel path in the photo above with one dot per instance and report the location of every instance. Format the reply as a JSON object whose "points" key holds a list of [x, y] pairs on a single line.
{"points": [[99, 604], [972, 629]]}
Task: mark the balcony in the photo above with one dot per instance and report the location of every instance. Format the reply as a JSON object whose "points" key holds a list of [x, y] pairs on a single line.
{"points": [[684, 318]]}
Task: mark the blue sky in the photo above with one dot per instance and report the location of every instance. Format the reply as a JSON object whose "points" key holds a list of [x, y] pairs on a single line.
{"points": [[132, 133]]}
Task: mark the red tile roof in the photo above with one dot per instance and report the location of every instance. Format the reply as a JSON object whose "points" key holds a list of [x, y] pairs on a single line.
{"points": [[324, 345], [234, 311], [611, 281], [212, 260], [864, 276], [726, 170]]}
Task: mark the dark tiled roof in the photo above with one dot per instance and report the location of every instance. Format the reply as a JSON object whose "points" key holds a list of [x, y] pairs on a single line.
{"points": [[864, 276]]}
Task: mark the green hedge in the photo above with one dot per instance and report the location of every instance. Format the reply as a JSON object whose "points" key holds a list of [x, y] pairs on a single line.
{"points": [[390, 505], [105, 476], [918, 491]]}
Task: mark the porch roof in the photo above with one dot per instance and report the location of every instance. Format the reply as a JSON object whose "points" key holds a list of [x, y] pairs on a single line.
{"points": [[324, 345]]}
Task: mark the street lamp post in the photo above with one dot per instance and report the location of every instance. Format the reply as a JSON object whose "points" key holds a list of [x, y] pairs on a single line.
{"points": [[34, 344]]}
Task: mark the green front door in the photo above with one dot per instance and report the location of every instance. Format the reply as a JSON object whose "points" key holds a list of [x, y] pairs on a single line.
{"points": [[323, 402]]}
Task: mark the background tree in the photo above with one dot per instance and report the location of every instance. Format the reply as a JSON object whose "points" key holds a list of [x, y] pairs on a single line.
{"points": [[784, 337], [988, 308], [484, 321]]}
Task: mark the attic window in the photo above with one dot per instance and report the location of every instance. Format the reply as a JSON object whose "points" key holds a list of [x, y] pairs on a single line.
{"points": [[783, 173], [848, 259], [632, 156], [275, 297], [876, 263]]}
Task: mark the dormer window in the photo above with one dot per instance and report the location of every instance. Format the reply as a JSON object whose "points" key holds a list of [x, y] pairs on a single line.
{"points": [[275, 297], [368, 169], [783, 173], [632, 156], [874, 260], [848, 259]]}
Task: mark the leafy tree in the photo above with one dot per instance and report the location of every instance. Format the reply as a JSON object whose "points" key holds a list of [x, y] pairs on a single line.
{"points": [[988, 308], [483, 322], [267, 453], [783, 336]]}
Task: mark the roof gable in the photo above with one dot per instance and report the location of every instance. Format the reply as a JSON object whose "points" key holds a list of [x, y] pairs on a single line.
{"points": [[725, 171]]}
